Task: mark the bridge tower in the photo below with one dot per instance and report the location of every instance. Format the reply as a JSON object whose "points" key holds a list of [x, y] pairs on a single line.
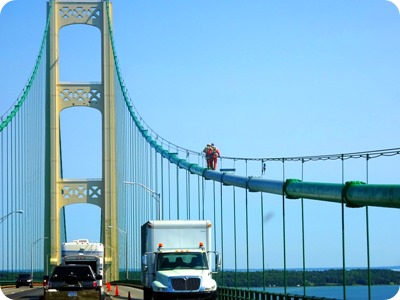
{"points": [[59, 96]]}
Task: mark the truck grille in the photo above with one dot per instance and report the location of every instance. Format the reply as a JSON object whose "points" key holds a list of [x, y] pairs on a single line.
{"points": [[185, 284]]}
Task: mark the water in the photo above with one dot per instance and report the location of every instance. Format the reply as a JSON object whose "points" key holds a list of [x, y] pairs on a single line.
{"points": [[378, 292]]}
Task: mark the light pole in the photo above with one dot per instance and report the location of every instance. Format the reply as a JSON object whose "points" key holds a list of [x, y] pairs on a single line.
{"points": [[125, 233], [152, 193], [33, 244], [2, 219]]}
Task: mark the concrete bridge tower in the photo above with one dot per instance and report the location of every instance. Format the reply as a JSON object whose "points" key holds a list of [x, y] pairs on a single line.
{"points": [[59, 96]]}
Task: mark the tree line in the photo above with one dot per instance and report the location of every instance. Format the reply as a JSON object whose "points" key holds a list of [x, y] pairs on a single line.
{"points": [[309, 278]]}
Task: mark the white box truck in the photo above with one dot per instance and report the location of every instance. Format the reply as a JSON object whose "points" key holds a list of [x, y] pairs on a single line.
{"points": [[176, 260], [83, 252]]}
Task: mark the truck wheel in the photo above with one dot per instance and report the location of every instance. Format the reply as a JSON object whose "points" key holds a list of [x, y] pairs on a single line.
{"points": [[155, 297], [147, 293]]}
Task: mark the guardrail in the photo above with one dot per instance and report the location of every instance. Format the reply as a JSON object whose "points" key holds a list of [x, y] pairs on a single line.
{"points": [[226, 293]]}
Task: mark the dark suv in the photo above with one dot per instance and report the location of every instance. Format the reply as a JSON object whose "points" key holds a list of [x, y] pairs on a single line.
{"points": [[24, 279], [73, 278]]}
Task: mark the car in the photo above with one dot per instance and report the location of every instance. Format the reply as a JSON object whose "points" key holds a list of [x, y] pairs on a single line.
{"points": [[73, 281], [24, 280]]}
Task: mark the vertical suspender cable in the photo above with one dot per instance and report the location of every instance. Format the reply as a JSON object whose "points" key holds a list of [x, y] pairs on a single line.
{"points": [[199, 191], [187, 190], [142, 177], [3, 192], [138, 212], [152, 182], [262, 239], [215, 218], [12, 189], [247, 232], [343, 237], [367, 229], [222, 230], [151, 171], [2, 189], [247, 238], [284, 230], [145, 179], [177, 191], [162, 187], [8, 196], [158, 204], [130, 227], [203, 181], [234, 234], [16, 190], [28, 182], [19, 173], [303, 232], [169, 190]]}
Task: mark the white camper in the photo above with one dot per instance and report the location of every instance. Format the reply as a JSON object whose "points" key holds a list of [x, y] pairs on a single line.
{"points": [[82, 252]]}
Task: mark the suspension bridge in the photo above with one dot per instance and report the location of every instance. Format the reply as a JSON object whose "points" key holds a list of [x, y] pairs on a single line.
{"points": [[259, 207]]}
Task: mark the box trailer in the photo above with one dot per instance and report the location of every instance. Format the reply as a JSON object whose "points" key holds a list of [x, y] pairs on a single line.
{"points": [[177, 260]]}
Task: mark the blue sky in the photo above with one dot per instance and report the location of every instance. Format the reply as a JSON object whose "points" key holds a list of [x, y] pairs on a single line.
{"points": [[257, 78]]}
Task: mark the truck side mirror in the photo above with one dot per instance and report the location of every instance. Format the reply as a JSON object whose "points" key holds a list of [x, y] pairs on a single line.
{"points": [[99, 277], [144, 263], [217, 262]]}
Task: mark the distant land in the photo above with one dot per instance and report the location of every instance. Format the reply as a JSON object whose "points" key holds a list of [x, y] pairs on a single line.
{"points": [[394, 268]]}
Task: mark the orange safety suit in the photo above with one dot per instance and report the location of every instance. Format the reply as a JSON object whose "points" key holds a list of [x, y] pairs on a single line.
{"points": [[215, 156], [210, 158]]}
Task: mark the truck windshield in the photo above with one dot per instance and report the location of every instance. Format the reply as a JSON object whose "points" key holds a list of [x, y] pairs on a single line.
{"points": [[186, 260]]}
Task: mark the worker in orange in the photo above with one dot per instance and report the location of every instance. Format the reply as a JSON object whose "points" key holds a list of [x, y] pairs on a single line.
{"points": [[215, 155], [208, 153]]}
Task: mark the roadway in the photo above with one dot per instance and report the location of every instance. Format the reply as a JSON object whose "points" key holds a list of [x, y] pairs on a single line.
{"points": [[37, 293]]}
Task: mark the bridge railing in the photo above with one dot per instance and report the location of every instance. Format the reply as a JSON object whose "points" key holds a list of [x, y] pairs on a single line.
{"points": [[225, 293]]}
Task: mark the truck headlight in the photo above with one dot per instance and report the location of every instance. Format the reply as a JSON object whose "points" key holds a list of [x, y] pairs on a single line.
{"points": [[211, 288]]}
